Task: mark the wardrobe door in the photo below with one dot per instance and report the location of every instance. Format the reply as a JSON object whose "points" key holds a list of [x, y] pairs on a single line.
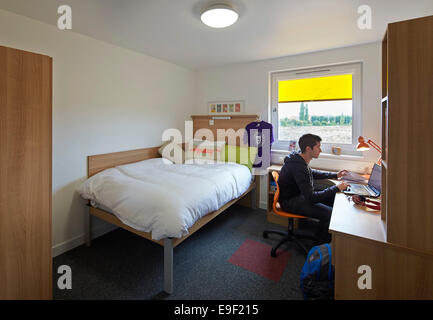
{"points": [[25, 175]]}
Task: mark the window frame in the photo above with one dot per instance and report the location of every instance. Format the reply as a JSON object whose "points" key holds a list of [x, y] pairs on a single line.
{"points": [[354, 68]]}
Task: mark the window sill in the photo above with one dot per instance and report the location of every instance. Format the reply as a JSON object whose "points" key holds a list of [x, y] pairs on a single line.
{"points": [[331, 162], [325, 156]]}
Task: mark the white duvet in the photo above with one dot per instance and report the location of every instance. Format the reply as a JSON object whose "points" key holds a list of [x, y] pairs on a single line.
{"points": [[165, 199]]}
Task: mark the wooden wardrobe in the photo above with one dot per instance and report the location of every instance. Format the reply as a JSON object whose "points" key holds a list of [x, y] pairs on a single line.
{"points": [[401, 254], [25, 175]]}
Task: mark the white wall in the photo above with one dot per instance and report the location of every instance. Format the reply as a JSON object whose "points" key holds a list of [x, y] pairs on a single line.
{"points": [[105, 99], [250, 82]]}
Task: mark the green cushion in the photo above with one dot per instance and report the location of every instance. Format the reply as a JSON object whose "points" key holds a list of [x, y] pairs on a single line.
{"points": [[241, 155]]}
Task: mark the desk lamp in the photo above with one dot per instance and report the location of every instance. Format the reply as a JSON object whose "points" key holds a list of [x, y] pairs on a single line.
{"points": [[364, 146]]}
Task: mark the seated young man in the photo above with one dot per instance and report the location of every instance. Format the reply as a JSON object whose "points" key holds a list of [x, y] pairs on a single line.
{"points": [[297, 194]]}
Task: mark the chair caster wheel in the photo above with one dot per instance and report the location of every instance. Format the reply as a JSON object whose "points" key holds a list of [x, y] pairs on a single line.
{"points": [[273, 253], [265, 235]]}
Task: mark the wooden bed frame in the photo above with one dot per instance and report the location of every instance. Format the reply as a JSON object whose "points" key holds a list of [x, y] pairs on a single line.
{"points": [[101, 162]]}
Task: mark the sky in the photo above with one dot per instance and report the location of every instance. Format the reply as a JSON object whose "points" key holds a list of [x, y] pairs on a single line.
{"points": [[318, 108]]}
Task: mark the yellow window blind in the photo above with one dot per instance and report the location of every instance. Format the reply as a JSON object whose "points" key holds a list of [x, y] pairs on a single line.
{"points": [[316, 89]]}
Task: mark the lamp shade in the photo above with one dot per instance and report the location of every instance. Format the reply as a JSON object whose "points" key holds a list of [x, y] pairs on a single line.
{"points": [[362, 145], [219, 16]]}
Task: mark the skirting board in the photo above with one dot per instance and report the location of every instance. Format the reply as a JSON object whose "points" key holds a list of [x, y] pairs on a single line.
{"points": [[70, 244]]}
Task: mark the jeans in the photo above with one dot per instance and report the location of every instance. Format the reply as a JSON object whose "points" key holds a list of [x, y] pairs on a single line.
{"points": [[321, 211]]}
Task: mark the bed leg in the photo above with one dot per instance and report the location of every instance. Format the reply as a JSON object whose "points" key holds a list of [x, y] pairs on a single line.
{"points": [[89, 230], [168, 265], [254, 198]]}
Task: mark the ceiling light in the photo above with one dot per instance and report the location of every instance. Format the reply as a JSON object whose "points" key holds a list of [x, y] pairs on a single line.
{"points": [[219, 16]]}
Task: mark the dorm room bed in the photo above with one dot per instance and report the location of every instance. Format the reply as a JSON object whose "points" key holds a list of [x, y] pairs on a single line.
{"points": [[99, 163]]}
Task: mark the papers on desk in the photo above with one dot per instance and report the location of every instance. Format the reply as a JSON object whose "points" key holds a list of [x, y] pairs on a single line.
{"points": [[354, 177]]}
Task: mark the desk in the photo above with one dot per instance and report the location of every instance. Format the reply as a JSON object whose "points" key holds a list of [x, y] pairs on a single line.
{"points": [[359, 238], [349, 218]]}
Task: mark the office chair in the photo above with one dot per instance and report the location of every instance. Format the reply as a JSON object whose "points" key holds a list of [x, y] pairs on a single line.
{"points": [[290, 234]]}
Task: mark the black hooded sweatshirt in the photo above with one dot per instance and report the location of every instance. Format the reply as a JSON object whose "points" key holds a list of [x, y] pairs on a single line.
{"points": [[296, 178]]}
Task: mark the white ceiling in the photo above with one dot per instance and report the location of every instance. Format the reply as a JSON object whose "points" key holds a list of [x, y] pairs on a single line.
{"points": [[171, 29]]}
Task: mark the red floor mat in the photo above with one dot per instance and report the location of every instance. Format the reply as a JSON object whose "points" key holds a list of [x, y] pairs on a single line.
{"points": [[256, 257]]}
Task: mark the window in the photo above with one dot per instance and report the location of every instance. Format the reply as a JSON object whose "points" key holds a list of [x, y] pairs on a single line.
{"points": [[325, 101]]}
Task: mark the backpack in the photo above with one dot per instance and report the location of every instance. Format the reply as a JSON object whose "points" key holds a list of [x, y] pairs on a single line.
{"points": [[317, 274]]}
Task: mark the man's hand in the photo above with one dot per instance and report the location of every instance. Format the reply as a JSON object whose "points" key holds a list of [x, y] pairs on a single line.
{"points": [[342, 173], [342, 186]]}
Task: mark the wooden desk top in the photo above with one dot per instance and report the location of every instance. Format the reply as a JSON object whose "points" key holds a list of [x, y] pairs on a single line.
{"points": [[350, 219]]}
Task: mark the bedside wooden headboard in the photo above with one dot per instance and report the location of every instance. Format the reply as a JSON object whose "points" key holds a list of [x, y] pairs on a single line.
{"points": [[100, 162], [234, 122]]}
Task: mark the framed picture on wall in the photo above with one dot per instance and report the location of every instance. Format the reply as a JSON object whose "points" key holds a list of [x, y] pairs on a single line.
{"points": [[226, 107]]}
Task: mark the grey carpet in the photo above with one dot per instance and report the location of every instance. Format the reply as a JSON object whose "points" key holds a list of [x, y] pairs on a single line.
{"points": [[122, 265]]}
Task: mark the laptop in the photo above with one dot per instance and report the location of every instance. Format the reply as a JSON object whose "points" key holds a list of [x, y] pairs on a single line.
{"points": [[372, 189]]}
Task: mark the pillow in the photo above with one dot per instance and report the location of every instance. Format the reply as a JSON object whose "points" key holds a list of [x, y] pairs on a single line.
{"points": [[204, 151], [171, 152], [241, 155]]}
